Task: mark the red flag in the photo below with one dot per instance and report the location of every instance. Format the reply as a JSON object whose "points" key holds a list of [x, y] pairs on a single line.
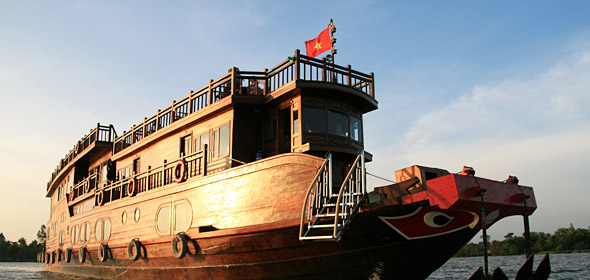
{"points": [[320, 44]]}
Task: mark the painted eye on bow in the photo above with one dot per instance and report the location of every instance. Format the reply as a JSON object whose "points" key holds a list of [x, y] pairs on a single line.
{"points": [[437, 219]]}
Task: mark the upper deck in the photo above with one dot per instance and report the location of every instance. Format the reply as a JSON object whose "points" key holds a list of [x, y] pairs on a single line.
{"points": [[298, 71]]}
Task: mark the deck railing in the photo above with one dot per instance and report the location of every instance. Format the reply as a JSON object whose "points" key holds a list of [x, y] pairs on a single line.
{"points": [[101, 133], [153, 178], [297, 67]]}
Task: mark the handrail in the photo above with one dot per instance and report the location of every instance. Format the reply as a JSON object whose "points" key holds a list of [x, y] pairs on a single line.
{"points": [[312, 207], [346, 196], [100, 133], [298, 67]]}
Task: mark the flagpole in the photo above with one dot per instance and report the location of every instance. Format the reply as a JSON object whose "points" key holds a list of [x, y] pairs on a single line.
{"points": [[332, 39]]}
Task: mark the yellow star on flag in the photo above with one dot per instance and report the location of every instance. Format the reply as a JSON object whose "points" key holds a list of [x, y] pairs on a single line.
{"points": [[318, 45]]}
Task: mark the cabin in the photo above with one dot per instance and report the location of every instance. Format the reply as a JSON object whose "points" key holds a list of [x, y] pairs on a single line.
{"points": [[302, 105]]}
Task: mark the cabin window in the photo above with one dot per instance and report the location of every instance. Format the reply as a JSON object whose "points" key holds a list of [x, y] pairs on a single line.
{"points": [[314, 121], [203, 140], [163, 219], [356, 129], [223, 141], [61, 238], [337, 123], [104, 172], [295, 121]]}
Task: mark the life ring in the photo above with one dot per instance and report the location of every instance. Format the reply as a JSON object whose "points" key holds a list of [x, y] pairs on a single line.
{"points": [[180, 171], [100, 198], [86, 185], [82, 254], [103, 252], [134, 244], [132, 187], [58, 253], [179, 254], [68, 255]]}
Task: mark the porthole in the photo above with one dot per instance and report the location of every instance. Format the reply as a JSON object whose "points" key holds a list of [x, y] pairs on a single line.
{"points": [[124, 217], [136, 215]]}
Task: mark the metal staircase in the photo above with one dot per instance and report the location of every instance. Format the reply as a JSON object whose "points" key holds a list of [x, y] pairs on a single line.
{"points": [[325, 214]]}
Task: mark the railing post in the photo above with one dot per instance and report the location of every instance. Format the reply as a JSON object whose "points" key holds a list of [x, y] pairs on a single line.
{"points": [[205, 152], [210, 93], [296, 61], [330, 174], [349, 79], [144, 128], [164, 173], [190, 102], [233, 80], [158, 120], [265, 82], [147, 178], [324, 66], [172, 112], [372, 86]]}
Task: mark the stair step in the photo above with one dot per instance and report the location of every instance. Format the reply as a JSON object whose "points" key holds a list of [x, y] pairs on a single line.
{"points": [[331, 215], [341, 204], [324, 226], [323, 237]]}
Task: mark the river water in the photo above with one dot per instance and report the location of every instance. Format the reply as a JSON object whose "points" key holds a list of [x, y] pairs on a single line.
{"points": [[563, 266]]}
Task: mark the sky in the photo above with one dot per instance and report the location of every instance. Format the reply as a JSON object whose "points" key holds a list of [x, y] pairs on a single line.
{"points": [[503, 86]]}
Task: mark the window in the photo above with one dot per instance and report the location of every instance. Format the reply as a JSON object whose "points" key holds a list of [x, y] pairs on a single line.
{"points": [[136, 215], [295, 121], [185, 145], [174, 217], [313, 120], [204, 140], [102, 231], [338, 123], [74, 234], [163, 220], [356, 129], [98, 230], [223, 147], [183, 216]]}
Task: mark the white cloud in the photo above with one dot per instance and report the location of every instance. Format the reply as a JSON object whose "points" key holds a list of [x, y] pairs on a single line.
{"points": [[537, 128]]}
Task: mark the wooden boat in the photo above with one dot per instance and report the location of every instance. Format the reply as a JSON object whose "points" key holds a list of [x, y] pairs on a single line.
{"points": [[260, 175]]}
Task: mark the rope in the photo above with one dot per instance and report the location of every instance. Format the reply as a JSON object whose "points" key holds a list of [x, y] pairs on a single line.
{"points": [[380, 177]]}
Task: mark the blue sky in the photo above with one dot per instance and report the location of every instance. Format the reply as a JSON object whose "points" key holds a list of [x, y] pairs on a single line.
{"points": [[502, 86]]}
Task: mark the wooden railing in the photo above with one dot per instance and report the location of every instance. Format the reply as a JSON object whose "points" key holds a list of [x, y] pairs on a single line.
{"points": [[83, 187], [297, 67], [153, 178], [101, 133]]}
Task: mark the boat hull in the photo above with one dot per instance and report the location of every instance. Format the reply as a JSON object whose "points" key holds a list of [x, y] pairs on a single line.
{"points": [[371, 248]]}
